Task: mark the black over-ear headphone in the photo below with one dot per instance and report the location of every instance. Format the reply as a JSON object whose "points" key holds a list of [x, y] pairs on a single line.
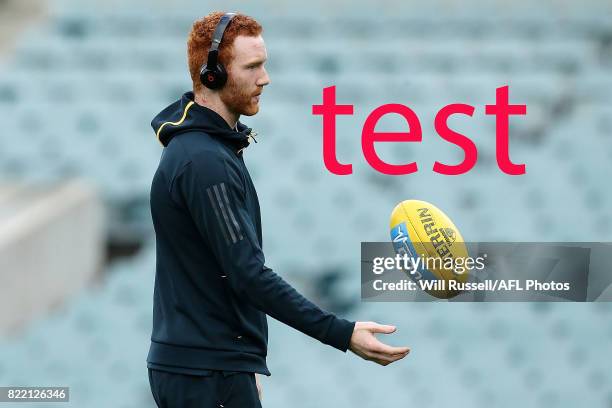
{"points": [[213, 74]]}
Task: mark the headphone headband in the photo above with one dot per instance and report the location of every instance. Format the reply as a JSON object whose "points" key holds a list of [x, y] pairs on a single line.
{"points": [[213, 52], [221, 26]]}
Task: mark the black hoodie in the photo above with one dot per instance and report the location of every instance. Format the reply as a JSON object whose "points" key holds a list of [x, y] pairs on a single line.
{"points": [[212, 288]]}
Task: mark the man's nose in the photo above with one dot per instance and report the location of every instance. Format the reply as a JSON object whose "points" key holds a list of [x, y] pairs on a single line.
{"points": [[264, 80]]}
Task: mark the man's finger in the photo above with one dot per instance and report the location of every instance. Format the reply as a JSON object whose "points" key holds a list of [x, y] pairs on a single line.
{"points": [[390, 357], [259, 387], [389, 350], [380, 347], [382, 358], [382, 328]]}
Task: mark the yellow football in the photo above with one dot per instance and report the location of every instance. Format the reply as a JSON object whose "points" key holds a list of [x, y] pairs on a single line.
{"points": [[421, 230]]}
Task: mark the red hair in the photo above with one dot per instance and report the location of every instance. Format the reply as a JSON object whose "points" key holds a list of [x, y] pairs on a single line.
{"points": [[200, 37]]}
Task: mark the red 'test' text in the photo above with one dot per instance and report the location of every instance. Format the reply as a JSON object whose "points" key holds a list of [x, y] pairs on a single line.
{"points": [[501, 109]]}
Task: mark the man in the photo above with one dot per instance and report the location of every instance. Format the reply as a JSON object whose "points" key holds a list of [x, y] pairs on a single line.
{"points": [[212, 288]]}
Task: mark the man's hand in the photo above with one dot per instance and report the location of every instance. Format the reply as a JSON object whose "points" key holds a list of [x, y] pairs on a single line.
{"points": [[368, 347], [259, 389]]}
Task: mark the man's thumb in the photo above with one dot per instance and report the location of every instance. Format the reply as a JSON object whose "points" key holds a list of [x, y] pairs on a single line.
{"points": [[383, 328]]}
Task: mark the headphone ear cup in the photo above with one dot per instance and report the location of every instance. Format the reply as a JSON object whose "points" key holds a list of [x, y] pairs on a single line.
{"points": [[213, 79], [207, 76], [221, 76]]}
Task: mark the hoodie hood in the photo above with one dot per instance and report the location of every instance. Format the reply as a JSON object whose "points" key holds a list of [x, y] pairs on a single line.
{"points": [[185, 115]]}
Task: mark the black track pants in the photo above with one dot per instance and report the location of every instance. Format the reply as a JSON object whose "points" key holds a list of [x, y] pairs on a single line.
{"points": [[215, 389]]}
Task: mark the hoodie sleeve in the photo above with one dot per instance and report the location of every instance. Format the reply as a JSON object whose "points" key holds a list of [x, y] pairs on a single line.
{"points": [[217, 202]]}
